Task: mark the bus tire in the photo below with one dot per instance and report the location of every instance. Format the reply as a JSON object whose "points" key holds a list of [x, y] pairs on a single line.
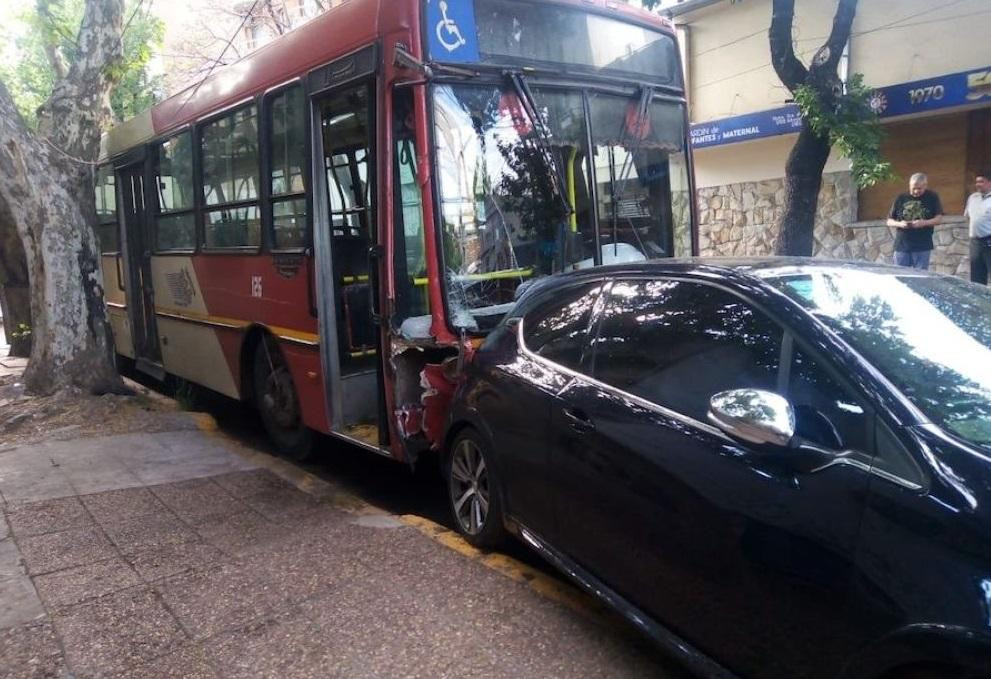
{"points": [[473, 491], [277, 403]]}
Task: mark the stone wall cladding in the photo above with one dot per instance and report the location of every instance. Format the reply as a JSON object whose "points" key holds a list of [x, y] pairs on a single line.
{"points": [[739, 220]]}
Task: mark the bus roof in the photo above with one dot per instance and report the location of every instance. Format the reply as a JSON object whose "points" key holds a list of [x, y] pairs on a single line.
{"points": [[335, 33]]}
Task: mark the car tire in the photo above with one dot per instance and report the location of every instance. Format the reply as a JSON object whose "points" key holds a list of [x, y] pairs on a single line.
{"points": [[278, 405], [474, 491]]}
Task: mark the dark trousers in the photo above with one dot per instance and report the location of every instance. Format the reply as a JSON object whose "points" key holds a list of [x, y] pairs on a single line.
{"points": [[980, 260]]}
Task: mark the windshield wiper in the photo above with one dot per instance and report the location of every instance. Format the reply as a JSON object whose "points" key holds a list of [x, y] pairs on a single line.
{"points": [[638, 127], [543, 137]]}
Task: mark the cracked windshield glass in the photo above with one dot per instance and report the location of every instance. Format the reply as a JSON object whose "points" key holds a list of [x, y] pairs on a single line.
{"points": [[523, 195]]}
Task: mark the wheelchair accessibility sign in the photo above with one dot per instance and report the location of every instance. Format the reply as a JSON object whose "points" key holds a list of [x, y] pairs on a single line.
{"points": [[451, 31]]}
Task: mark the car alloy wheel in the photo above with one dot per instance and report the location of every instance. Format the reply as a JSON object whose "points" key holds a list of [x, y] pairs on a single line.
{"points": [[469, 487]]}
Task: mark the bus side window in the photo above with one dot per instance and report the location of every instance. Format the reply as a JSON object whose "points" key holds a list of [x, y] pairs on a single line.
{"points": [[410, 254], [175, 223], [287, 117], [229, 148], [106, 210]]}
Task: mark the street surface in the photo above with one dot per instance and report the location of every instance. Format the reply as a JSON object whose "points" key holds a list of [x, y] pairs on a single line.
{"points": [[189, 553]]}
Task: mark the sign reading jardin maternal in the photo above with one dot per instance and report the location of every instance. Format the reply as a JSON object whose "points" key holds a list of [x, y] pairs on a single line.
{"points": [[956, 89]]}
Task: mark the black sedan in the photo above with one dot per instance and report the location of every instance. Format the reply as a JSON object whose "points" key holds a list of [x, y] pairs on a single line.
{"points": [[775, 468]]}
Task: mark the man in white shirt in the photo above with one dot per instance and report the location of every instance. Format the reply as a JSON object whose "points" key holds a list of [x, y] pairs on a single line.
{"points": [[978, 211]]}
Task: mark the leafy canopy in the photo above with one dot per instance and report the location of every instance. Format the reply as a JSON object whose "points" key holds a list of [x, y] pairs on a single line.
{"points": [[46, 25]]}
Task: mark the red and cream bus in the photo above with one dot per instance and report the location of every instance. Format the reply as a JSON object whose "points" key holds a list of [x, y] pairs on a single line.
{"points": [[328, 227]]}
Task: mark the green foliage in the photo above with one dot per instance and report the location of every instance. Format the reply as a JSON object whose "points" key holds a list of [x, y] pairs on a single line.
{"points": [[22, 331], [30, 76], [851, 126]]}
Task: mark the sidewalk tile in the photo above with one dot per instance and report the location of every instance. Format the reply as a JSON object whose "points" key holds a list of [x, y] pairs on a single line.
{"points": [[75, 585], [117, 632], [55, 551], [285, 647], [151, 530], [35, 482], [99, 480], [198, 499], [31, 652], [240, 534], [163, 561], [244, 483], [282, 505], [216, 600], [185, 663], [47, 516], [20, 603], [114, 506], [10, 560]]}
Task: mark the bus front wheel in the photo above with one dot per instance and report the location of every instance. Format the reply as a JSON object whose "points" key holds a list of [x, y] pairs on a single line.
{"points": [[278, 404]]}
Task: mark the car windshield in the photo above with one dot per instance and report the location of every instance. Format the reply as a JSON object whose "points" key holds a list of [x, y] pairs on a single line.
{"points": [[929, 335], [502, 214]]}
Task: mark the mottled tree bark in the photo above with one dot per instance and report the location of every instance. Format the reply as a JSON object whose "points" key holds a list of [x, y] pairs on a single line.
{"points": [[803, 171], [46, 181]]}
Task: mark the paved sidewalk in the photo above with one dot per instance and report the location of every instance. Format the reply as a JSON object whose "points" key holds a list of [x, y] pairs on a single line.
{"points": [[170, 554]]}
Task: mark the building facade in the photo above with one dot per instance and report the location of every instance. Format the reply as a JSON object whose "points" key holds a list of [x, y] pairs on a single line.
{"points": [[930, 66]]}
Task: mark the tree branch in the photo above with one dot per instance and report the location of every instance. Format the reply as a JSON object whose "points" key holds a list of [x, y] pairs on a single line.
{"points": [[74, 115], [828, 56], [55, 57], [790, 70]]}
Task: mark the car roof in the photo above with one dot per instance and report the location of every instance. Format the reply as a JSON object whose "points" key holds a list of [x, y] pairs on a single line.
{"points": [[751, 269]]}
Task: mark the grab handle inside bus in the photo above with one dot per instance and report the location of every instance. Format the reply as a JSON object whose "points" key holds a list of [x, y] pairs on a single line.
{"points": [[374, 257]]}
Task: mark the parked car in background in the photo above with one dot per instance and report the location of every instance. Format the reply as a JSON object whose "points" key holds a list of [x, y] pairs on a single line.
{"points": [[775, 468]]}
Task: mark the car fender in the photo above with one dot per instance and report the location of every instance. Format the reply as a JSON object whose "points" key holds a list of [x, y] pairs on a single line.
{"points": [[924, 643], [462, 415]]}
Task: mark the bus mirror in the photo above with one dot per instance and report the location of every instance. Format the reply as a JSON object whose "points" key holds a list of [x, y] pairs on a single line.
{"points": [[403, 59]]}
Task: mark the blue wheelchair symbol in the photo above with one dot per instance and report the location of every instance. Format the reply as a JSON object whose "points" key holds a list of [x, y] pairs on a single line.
{"points": [[454, 34]]}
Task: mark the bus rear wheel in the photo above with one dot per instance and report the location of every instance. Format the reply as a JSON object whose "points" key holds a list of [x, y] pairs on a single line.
{"points": [[278, 404]]}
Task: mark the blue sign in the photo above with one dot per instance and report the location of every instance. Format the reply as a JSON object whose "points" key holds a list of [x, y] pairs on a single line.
{"points": [[955, 89], [743, 128], [451, 31], [931, 94]]}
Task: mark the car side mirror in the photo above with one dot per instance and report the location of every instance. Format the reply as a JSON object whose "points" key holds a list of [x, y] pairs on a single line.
{"points": [[754, 416]]}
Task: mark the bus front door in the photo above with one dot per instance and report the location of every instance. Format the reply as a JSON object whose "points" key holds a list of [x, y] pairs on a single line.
{"points": [[344, 238], [137, 250]]}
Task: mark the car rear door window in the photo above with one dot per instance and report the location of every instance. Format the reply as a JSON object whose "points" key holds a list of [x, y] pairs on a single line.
{"points": [[558, 329], [677, 343]]}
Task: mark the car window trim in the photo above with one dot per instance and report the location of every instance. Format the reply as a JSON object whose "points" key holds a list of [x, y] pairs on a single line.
{"points": [[650, 405]]}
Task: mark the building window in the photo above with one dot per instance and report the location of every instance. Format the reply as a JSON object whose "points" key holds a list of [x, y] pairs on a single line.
{"points": [[229, 148], [175, 223]]}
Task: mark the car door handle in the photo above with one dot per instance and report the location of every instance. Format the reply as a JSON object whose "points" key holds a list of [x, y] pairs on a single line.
{"points": [[578, 420]]}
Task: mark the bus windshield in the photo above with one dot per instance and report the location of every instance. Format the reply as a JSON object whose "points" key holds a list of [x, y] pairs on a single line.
{"points": [[502, 215], [514, 32]]}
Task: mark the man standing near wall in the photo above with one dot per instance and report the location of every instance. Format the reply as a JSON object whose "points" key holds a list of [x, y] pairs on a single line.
{"points": [[916, 214], [978, 211]]}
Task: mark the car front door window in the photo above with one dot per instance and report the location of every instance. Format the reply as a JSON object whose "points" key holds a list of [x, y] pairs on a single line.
{"points": [[677, 343]]}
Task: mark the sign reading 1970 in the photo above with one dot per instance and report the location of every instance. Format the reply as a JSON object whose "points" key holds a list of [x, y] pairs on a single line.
{"points": [[956, 89]]}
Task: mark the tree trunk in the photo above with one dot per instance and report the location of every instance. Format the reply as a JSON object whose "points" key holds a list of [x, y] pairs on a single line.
{"points": [[46, 182], [15, 299], [807, 160], [803, 179]]}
